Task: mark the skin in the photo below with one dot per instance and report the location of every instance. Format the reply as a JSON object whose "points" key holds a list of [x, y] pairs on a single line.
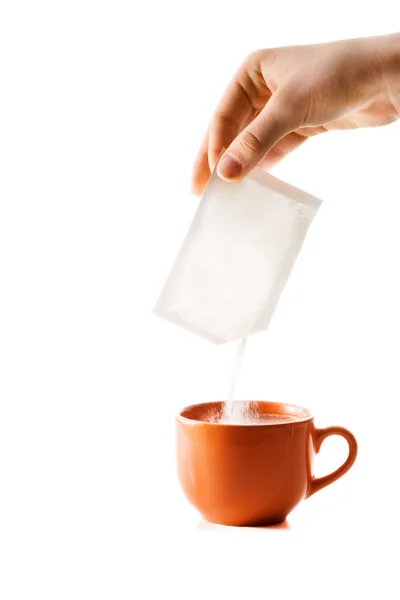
{"points": [[280, 97]]}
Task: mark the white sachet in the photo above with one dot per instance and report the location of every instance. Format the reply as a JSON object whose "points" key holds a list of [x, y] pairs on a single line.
{"points": [[237, 256]]}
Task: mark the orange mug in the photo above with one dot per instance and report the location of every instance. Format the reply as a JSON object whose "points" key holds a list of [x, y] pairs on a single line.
{"points": [[252, 474]]}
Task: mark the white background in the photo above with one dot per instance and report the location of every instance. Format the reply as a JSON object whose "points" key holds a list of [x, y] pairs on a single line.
{"points": [[102, 107]]}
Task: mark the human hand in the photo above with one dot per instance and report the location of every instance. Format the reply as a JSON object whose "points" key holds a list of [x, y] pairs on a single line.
{"points": [[280, 97]]}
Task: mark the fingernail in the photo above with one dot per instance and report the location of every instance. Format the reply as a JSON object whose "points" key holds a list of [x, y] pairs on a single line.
{"points": [[229, 167]]}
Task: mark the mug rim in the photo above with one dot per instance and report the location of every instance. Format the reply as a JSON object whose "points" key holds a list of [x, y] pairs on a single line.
{"points": [[179, 415]]}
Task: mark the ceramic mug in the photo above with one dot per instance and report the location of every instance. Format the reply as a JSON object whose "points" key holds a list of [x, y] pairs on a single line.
{"points": [[251, 474]]}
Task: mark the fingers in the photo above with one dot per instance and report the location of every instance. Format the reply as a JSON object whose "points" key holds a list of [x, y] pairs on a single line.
{"points": [[233, 111], [238, 106], [275, 121], [201, 170]]}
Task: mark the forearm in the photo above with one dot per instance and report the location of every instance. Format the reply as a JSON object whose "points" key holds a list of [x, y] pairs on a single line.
{"points": [[389, 58]]}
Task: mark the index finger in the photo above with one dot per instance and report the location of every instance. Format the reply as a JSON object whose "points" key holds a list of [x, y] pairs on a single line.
{"points": [[232, 112]]}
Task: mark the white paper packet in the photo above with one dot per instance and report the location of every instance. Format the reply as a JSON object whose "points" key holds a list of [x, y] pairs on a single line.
{"points": [[237, 256]]}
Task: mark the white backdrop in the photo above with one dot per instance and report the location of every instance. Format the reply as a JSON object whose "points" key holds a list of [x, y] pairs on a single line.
{"points": [[102, 107]]}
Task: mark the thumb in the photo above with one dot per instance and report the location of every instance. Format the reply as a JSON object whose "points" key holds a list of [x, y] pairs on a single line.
{"points": [[252, 144]]}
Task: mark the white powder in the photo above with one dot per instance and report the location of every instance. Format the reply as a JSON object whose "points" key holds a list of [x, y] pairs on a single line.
{"points": [[239, 412], [235, 411]]}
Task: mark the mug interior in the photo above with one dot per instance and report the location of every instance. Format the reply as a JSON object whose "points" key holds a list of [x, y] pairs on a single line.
{"points": [[212, 412]]}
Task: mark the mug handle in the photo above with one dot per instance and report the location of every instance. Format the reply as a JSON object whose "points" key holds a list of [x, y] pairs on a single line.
{"points": [[317, 483]]}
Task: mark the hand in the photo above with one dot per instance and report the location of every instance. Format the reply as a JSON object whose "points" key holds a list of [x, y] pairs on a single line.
{"points": [[281, 97]]}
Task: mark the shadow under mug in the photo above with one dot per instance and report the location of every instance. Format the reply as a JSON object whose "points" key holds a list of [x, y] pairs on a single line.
{"points": [[251, 474]]}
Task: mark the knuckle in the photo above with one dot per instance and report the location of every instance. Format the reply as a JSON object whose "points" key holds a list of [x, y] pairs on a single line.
{"points": [[251, 60], [250, 143], [224, 121], [252, 56]]}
